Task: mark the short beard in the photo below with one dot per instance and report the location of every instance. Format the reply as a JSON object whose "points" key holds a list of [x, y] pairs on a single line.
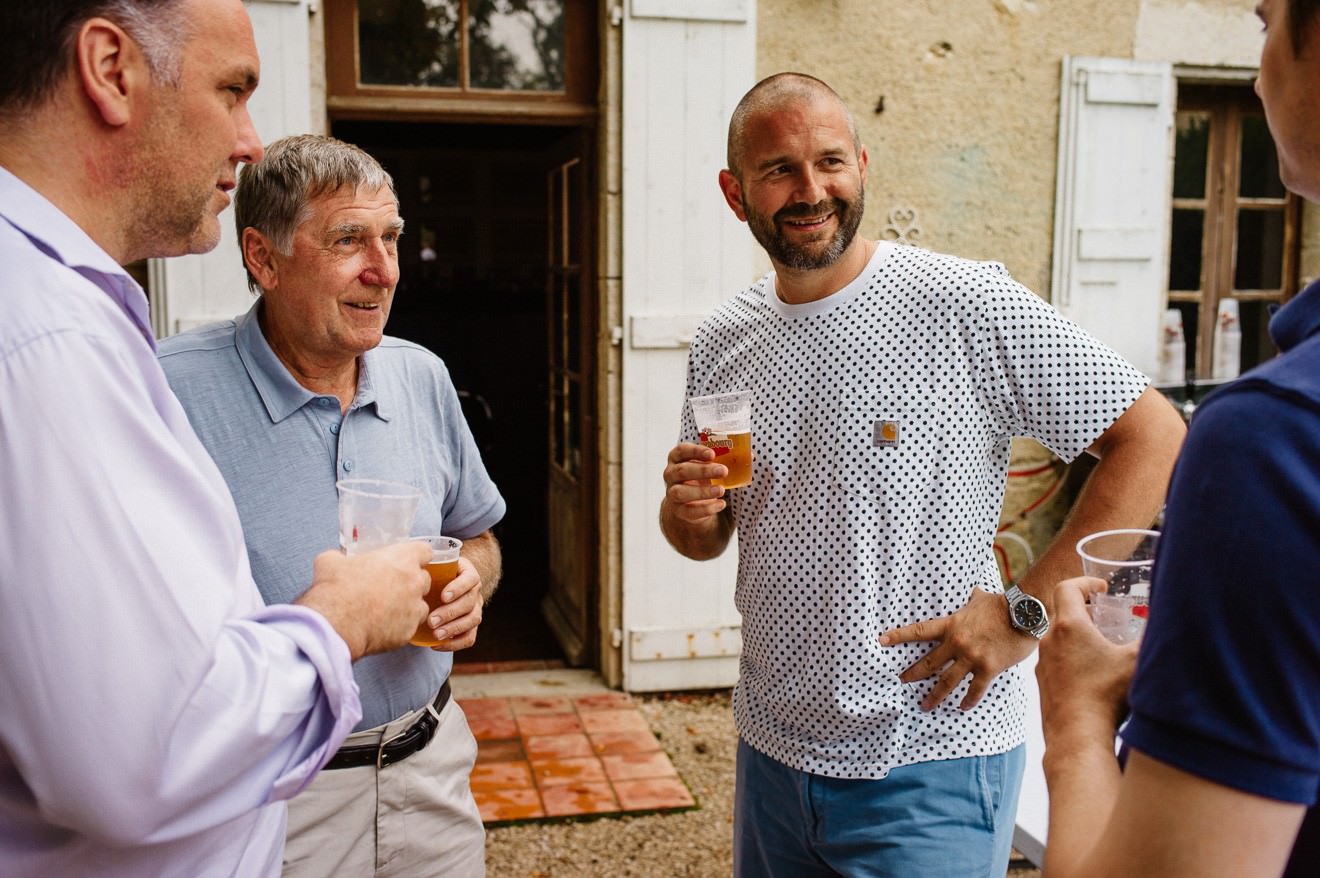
{"points": [[797, 256]]}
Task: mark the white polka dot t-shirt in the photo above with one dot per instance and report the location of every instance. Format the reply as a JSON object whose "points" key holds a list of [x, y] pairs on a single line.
{"points": [[882, 420]]}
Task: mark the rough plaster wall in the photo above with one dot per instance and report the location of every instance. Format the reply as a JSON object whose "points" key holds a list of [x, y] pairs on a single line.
{"points": [[968, 132], [1213, 33]]}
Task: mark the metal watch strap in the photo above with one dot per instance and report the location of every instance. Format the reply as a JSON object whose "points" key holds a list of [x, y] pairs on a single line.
{"points": [[1015, 595]]}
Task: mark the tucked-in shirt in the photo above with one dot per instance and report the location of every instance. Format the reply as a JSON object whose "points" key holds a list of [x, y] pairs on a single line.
{"points": [[882, 422], [153, 711], [1227, 685], [282, 447]]}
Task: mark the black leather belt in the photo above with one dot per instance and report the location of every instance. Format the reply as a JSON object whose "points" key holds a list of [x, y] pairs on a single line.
{"points": [[398, 748]]}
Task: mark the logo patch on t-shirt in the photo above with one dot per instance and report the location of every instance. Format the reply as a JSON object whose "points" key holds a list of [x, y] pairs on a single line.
{"points": [[885, 434]]}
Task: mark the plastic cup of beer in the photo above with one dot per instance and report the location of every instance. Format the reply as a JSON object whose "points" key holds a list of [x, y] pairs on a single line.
{"points": [[443, 567], [724, 423], [1124, 559], [374, 513]]}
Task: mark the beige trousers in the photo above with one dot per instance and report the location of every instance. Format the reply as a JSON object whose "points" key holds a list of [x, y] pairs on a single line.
{"points": [[412, 819]]}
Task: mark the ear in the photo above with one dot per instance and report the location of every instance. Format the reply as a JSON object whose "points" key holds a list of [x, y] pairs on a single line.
{"points": [[260, 257], [732, 190], [110, 69], [862, 160]]}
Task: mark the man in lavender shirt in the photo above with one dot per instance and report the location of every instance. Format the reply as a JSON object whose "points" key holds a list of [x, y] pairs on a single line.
{"points": [[154, 713]]}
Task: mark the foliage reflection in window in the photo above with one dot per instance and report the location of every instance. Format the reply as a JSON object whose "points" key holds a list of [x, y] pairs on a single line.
{"points": [[503, 45]]}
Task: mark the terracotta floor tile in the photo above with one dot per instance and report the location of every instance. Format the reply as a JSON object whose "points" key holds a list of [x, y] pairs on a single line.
{"points": [[557, 746], [552, 757], [485, 707], [471, 668], [500, 751], [604, 701], [495, 776], [597, 721], [557, 772], [509, 805], [653, 793], [493, 728], [540, 705], [633, 766], [624, 742], [579, 798], [530, 724]]}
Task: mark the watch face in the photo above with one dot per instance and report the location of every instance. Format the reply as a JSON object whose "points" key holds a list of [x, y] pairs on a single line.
{"points": [[1028, 613]]}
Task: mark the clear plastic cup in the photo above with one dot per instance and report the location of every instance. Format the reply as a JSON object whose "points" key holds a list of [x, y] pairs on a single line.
{"points": [[374, 513], [1124, 559]]}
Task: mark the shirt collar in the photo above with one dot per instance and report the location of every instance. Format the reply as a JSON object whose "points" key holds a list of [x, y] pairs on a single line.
{"points": [[1298, 320], [280, 392], [52, 232]]}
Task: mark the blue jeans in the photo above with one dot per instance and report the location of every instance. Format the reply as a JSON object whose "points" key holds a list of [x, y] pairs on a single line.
{"points": [[952, 818]]}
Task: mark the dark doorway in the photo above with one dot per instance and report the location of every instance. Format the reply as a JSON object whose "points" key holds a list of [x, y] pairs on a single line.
{"points": [[473, 290]]}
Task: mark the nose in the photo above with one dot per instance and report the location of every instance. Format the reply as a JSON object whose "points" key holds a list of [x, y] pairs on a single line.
{"points": [[247, 145], [811, 187], [382, 268]]}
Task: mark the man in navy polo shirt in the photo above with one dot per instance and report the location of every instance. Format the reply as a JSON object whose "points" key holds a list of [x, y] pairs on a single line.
{"points": [[1222, 774]]}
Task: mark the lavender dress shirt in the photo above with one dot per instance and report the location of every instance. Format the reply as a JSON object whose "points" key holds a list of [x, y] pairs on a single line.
{"points": [[154, 713]]}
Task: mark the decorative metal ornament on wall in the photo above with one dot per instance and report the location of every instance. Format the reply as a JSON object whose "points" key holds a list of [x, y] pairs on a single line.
{"points": [[901, 226]]}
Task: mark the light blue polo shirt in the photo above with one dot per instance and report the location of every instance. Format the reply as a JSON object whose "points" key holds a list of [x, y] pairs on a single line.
{"points": [[281, 448]]}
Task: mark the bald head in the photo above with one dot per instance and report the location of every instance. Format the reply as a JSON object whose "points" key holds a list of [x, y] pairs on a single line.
{"points": [[775, 93]]}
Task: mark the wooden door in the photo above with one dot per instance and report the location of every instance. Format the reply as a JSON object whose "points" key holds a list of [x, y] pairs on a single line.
{"points": [[571, 400]]}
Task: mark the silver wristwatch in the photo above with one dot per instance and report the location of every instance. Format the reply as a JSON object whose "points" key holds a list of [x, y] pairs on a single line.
{"points": [[1026, 612]]}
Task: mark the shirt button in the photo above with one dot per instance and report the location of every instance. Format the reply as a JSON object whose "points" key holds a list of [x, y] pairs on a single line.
{"points": [[334, 428], [325, 402], [348, 466]]}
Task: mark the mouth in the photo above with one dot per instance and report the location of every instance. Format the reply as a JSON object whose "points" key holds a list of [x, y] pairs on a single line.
{"points": [[364, 306], [807, 219]]}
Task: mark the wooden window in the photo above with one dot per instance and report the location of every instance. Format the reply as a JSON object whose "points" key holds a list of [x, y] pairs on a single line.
{"points": [[1234, 228], [461, 59]]}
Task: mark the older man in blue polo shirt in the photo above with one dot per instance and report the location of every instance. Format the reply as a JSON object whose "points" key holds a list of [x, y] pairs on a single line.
{"points": [[305, 389]]}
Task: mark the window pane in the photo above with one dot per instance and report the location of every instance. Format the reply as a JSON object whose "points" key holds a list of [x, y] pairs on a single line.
{"points": [[1185, 249], [408, 42], [1259, 257], [1259, 172], [517, 45], [1189, 158], [573, 317], [1257, 346], [573, 460]]}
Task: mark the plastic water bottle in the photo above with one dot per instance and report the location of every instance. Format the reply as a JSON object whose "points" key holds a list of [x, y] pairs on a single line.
{"points": [[1227, 360]]}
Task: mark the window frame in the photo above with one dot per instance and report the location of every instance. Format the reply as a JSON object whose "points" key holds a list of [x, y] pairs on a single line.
{"points": [[1226, 103], [348, 98]]}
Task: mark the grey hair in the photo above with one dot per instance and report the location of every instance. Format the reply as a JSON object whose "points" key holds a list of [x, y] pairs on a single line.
{"points": [[160, 30], [772, 93], [275, 195]]}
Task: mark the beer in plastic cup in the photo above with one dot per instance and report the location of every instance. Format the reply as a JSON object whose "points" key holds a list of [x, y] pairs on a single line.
{"points": [[443, 567], [724, 423]]}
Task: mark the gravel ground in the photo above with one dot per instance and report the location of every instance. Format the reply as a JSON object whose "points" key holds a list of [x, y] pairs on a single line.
{"points": [[697, 732]]}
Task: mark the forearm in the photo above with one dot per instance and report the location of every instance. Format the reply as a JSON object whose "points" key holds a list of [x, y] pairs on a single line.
{"points": [[1125, 490], [700, 539], [485, 554], [1082, 775]]}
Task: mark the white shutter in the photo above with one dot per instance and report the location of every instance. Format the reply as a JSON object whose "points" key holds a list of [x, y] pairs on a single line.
{"points": [[1112, 201], [685, 66]]}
